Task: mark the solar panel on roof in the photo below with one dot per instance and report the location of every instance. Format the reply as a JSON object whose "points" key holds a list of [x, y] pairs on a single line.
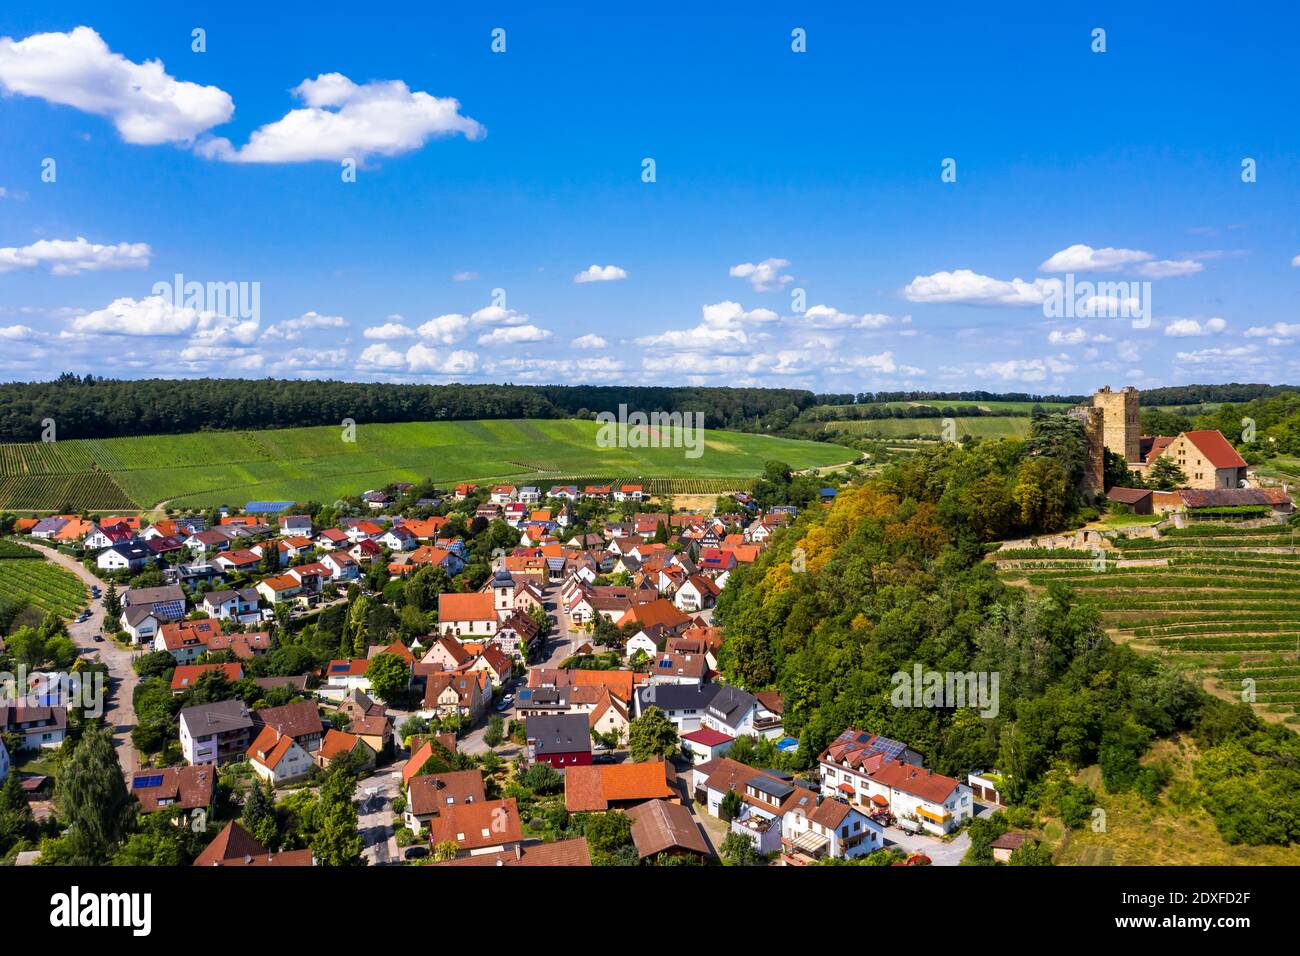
{"points": [[143, 783], [338, 667]]}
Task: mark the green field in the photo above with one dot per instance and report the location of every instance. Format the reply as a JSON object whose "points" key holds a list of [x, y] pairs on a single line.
{"points": [[1224, 600], [42, 585], [982, 426], [1018, 407], [211, 468]]}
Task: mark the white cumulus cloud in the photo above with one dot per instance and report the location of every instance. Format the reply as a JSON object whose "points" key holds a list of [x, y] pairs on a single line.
{"points": [[514, 334], [290, 330], [1084, 258], [346, 120], [588, 341], [78, 69], [970, 288], [595, 273], [765, 276], [1183, 328], [67, 257]]}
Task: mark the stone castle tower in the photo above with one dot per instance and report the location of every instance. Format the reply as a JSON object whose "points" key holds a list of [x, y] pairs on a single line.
{"points": [[1121, 431], [1092, 483]]}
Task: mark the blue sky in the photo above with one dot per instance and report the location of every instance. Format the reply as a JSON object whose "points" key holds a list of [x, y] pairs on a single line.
{"points": [[776, 171]]}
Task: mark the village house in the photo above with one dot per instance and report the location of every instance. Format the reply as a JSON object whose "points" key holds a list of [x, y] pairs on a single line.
{"points": [[674, 668], [683, 704], [295, 525], [279, 589], [129, 556], [278, 757], [814, 827], [696, 594], [179, 791], [668, 828], [233, 846], [467, 616], [186, 676], [619, 786], [226, 605], [36, 728], [337, 743], [874, 772], [429, 795], [706, 744], [346, 675], [463, 695], [299, 720], [487, 826], [562, 740], [215, 733], [186, 641]]}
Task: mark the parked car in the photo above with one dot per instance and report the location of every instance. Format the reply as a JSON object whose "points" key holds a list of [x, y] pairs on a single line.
{"points": [[97, 638], [415, 852]]}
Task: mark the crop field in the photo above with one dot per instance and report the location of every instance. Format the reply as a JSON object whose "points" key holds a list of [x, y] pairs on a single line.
{"points": [[1020, 407], [1223, 599], [199, 469], [984, 426], [40, 584]]}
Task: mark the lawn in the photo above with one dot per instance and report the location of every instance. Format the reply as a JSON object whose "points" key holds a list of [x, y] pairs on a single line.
{"points": [[1223, 599], [199, 469]]}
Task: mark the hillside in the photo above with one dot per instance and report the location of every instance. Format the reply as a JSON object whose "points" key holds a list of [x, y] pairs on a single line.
{"points": [[212, 468]]}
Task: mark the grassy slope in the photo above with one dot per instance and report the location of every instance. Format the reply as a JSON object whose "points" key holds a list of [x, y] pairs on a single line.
{"points": [[204, 468], [1174, 832]]}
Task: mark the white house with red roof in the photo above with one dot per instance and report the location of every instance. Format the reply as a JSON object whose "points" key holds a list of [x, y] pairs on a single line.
{"points": [[874, 772]]}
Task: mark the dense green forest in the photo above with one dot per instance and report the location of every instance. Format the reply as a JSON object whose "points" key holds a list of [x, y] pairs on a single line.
{"points": [[892, 575], [92, 407]]}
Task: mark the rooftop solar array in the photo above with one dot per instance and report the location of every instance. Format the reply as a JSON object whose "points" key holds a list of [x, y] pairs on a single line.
{"points": [[144, 783]]}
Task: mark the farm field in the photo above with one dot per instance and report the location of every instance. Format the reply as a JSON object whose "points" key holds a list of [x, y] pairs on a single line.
{"points": [[1225, 600], [199, 469], [39, 583], [1021, 407], [985, 426]]}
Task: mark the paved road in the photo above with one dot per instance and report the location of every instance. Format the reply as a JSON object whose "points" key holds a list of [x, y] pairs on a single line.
{"points": [[375, 817], [119, 711]]}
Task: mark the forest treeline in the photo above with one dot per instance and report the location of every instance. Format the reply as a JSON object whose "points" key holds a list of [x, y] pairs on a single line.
{"points": [[90, 407]]}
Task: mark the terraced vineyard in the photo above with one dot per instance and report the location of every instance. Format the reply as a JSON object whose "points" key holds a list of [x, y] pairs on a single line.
{"points": [[212, 468], [41, 584], [1224, 599]]}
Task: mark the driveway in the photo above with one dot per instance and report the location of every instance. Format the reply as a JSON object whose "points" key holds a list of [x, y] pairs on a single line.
{"points": [[119, 711], [375, 817]]}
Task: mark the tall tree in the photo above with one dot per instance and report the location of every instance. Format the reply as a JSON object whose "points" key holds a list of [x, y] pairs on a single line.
{"points": [[651, 735], [92, 798]]}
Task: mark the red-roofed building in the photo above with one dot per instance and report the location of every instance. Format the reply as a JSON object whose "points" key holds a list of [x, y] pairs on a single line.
{"points": [[706, 744], [187, 675], [1207, 458], [875, 772]]}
